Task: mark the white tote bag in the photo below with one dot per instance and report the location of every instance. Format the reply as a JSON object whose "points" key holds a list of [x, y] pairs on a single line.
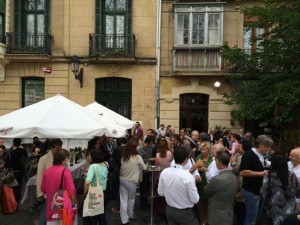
{"points": [[94, 202]]}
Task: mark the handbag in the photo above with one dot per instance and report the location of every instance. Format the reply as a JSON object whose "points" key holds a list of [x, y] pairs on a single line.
{"points": [[9, 178], [8, 201], [68, 210], [94, 202], [57, 203]]}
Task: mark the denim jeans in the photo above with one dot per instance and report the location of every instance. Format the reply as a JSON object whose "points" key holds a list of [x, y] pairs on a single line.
{"points": [[252, 203], [42, 217]]}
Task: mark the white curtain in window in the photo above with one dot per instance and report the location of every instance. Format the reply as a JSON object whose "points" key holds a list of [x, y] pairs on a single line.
{"points": [[214, 30], [182, 34], [109, 31], [120, 31], [198, 28], [247, 39]]}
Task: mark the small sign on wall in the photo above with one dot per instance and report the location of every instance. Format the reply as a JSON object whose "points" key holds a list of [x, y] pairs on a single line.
{"points": [[47, 69]]}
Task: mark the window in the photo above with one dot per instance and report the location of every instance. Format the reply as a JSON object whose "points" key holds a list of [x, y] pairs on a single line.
{"points": [[113, 20], [198, 36], [32, 19], [33, 90], [198, 26], [250, 35]]}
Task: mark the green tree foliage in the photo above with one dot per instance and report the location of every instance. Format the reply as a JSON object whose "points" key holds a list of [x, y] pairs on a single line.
{"points": [[266, 83]]}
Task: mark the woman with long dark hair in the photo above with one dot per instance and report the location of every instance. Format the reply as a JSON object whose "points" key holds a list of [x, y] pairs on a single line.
{"points": [[283, 188], [164, 155], [130, 171]]}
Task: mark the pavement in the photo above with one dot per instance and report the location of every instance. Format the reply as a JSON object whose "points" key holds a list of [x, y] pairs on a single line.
{"points": [[25, 216]]}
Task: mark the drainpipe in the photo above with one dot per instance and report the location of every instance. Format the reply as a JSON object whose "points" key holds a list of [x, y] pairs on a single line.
{"points": [[157, 73]]}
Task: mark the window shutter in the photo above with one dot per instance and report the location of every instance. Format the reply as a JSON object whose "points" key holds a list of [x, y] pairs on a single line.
{"points": [[128, 17], [17, 25], [2, 6], [47, 16], [100, 4]]}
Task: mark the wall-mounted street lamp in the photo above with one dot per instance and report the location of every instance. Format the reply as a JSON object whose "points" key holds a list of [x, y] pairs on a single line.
{"points": [[78, 72], [217, 84]]}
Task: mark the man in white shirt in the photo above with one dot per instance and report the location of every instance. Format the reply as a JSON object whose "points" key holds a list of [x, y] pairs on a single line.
{"points": [[160, 131], [178, 187], [189, 164], [212, 169], [294, 163]]}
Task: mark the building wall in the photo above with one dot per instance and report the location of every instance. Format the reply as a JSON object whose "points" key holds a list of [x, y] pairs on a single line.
{"points": [[71, 23], [173, 84]]}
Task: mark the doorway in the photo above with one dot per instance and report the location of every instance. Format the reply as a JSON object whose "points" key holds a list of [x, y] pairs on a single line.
{"points": [[115, 93], [194, 111]]}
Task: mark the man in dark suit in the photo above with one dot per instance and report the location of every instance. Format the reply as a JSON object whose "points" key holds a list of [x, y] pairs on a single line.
{"points": [[221, 192]]}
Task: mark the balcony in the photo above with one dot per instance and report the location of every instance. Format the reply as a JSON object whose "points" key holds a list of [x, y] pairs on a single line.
{"points": [[189, 59], [112, 45], [34, 44]]}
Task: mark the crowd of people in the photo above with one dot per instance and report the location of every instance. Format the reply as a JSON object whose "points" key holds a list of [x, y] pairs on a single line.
{"points": [[215, 178]]}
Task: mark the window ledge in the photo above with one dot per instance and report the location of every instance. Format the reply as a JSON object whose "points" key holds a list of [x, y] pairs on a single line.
{"points": [[198, 47]]}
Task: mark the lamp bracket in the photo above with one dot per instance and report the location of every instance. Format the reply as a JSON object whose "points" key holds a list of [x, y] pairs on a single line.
{"points": [[79, 76]]}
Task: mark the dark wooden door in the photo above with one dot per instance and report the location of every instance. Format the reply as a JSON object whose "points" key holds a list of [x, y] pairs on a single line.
{"points": [[115, 93], [194, 111]]}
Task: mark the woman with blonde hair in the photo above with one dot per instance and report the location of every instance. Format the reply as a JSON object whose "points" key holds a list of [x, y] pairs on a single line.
{"points": [[206, 158]]}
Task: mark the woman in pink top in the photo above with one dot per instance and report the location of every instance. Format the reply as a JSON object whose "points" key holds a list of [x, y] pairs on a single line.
{"points": [[51, 184], [234, 138], [164, 155]]}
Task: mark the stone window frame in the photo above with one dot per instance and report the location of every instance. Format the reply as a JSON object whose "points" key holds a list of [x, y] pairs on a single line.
{"points": [[35, 95], [101, 13], [197, 9]]}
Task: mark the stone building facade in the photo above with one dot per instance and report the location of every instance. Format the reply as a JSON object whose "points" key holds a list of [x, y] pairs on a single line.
{"points": [[154, 61], [113, 40], [192, 34]]}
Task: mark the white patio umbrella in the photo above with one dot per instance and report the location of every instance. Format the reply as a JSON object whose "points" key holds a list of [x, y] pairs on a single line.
{"points": [[110, 115], [53, 117]]}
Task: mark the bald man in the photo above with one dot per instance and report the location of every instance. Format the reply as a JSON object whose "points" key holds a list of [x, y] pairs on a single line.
{"points": [[212, 170], [294, 163]]}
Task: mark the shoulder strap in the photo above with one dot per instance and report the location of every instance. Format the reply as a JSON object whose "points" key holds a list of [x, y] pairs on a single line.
{"points": [[62, 178], [191, 160], [95, 170]]}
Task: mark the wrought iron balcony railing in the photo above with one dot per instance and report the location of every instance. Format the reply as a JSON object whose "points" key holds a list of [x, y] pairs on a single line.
{"points": [[39, 44], [112, 45]]}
